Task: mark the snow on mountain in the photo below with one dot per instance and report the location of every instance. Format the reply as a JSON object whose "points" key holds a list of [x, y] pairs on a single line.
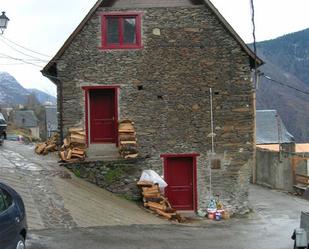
{"points": [[12, 93]]}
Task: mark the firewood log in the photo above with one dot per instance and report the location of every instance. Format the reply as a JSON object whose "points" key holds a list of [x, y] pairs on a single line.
{"points": [[164, 214], [144, 184]]}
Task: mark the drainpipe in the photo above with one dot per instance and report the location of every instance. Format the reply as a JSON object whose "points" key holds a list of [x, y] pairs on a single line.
{"points": [[60, 102], [53, 76], [61, 111]]}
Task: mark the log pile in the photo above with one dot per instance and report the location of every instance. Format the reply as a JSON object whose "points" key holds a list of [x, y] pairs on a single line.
{"points": [[74, 146], [155, 201], [48, 146], [127, 139]]}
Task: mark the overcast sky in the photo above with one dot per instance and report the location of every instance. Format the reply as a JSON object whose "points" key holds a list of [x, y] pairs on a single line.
{"points": [[44, 25]]}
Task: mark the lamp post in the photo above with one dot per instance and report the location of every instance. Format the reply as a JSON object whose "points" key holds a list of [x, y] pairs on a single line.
{"points": [[3, 22]]}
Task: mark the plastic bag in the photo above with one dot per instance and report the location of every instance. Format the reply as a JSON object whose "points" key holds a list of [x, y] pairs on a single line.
{"points": [[150, 175]]}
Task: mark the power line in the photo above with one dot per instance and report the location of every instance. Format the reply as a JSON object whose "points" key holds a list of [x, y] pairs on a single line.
{"points": [[284, 84], [21, 51], [12, 64], [16, 44], [21, 60], [26, 59]]}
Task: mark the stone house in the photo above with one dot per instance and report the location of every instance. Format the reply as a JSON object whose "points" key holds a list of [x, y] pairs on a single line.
{"points": [[28, 120], [154, 62]]}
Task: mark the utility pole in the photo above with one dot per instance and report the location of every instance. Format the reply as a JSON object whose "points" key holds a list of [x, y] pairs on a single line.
{"points": [[3, 22], [279, 136]]}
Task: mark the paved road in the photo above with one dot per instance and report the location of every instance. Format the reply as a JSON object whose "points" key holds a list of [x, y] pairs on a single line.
{"points": [[268, 227], [55, 201], [70, 213]]}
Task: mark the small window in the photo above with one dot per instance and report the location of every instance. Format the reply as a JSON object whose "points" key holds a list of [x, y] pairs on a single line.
{"points": [[2, 203], [121, 31], [5, 200], [215, 164]]}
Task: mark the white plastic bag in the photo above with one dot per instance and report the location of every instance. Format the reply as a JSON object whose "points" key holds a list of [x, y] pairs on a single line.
{"points": [[150, 175]]}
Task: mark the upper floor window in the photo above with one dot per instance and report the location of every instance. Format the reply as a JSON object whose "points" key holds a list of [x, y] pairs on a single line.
{"points": [[121, 31]]}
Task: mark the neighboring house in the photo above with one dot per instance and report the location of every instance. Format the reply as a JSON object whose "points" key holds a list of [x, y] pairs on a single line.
{"points": [[280, 162], [51, 120], [271, 131], [27, 119], [154, 62]]}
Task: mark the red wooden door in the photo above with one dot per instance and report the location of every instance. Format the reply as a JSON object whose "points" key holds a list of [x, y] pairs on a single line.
{"points": [[102, 116], [178, 173]]}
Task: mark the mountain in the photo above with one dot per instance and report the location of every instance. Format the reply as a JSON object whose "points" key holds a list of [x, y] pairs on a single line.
{"points": [[43, 97], [286, 61], [12, 93]]}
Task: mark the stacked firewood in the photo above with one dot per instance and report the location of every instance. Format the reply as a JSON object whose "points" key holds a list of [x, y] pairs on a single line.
{"points": [[48, 146], [127, 139], [74, 146], [155, 201]]}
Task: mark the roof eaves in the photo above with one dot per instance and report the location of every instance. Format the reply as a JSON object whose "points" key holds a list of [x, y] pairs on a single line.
{"points": [[45, 70]]}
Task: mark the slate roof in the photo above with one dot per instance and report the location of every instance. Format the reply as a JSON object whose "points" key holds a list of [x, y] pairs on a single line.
{"points": [[267, 128], [26, 119], [51, 118], [107, 3], [1, 116], [2, 120]]}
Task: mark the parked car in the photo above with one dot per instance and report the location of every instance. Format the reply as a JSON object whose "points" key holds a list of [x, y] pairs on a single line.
{"points": [[2, 129], [13, 222]]}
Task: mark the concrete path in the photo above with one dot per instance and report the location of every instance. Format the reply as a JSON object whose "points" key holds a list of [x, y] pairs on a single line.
{"points": [[71, 213], [55, 201], [269, 226]]}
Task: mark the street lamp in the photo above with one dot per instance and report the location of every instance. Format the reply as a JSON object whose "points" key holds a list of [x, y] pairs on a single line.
{"points": [[3, 22]]}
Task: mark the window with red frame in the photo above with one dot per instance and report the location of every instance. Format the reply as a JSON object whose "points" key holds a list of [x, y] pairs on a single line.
{"points": [[121, 31]]}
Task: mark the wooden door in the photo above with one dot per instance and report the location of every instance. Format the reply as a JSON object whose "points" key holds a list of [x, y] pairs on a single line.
{"points": [[102, 116], [178, 173]]}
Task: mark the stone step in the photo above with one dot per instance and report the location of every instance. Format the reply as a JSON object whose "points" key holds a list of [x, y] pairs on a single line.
{"points": [[102, 151]]}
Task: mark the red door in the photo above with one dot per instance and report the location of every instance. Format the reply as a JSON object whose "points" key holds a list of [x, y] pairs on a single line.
{"points": [[178, 173], [102, 116]]}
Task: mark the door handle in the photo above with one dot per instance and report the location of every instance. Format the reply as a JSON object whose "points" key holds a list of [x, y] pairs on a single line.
{"points": [[17, 220]]}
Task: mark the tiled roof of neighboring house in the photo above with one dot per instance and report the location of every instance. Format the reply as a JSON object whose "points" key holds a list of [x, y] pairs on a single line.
{"points": [[25, 119], [299, 148], [106, 3], [302, 148], [272, 147], [51, 118], [267, 128]]}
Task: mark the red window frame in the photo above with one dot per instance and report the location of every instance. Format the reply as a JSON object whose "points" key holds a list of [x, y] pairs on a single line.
{"points": [[121, 16]]}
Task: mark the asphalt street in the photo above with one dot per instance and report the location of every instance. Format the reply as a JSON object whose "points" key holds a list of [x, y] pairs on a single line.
{"points": [[67, 212]]}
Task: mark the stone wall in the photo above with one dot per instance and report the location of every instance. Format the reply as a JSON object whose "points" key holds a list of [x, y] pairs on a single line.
{"points": [[118, 176], [274, 170], [164, 88]]}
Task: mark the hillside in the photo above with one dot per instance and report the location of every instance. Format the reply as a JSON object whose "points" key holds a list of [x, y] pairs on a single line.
{"points": [[43, 97], [12, 93], [287, 61]]}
